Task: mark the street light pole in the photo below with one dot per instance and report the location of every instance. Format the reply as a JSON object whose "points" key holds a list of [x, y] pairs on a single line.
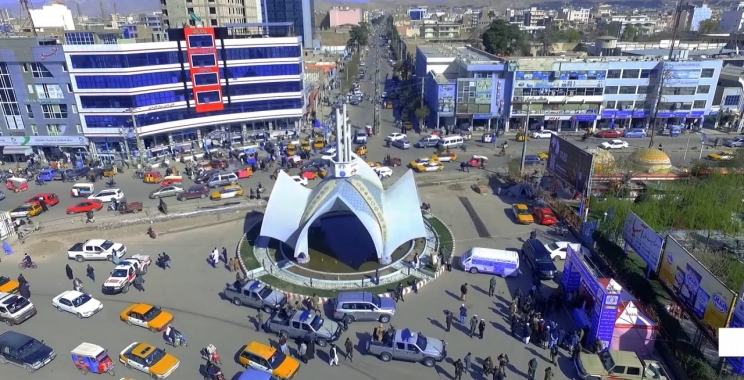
{"points": [[137, 139], [524, 138]]}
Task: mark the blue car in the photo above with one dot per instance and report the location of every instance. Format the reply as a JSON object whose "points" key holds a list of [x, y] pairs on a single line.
{"points": [[635, 132], [254, 374], [47, 174], [532, 159]]}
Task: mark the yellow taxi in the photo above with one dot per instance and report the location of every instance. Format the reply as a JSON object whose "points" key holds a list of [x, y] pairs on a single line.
{"points": [[268, 359], [445, 157], [723, 155], [543, 155], [147, 316], [522, 213], [149, 359], [374, 165], [226, 192], [8, 285], [26, 209]]}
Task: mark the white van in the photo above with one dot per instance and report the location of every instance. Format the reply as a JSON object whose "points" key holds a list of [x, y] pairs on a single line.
{"points": [[494, 261], [451, 142]]}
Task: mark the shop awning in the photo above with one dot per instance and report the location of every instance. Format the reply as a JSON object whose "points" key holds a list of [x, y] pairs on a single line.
{"points": [[18, 150]]}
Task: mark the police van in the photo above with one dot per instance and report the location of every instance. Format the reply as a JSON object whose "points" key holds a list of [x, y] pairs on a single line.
{"points": [[495, 261]]}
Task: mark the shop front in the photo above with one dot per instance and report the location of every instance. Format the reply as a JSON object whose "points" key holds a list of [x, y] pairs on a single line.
{"points": [[623, 119], [683, 119], [554, 119], [43, 148]]}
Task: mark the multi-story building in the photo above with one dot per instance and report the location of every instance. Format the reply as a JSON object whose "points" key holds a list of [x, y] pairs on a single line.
{"points": [[437, 30], [696, 15], [177, 13], [580, 15], [418, 13], [56, 16], [38, 109], [301, 13], [154, 22], [344, 16], [728, 102], [146, 96], [644, 24], [732, 21]]}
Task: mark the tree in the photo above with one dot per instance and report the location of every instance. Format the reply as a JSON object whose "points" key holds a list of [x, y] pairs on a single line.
{"points": [[629, 33], [612, 30], [568, 35], [709, 26], [491, 14], [546, 38], [359, 35], [422, 113], [502, 38]]}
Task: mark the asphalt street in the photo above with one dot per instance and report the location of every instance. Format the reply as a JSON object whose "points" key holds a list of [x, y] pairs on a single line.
{"points": [[190, 291]]}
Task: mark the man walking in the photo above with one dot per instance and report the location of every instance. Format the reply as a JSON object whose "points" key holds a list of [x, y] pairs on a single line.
{"points": [[90, 273], [68, 271], [554, 355], [464, 292], [473, 325], [302, 351], [458, 369], [492, 287], [259, 320], [333, 356], [449, 318], [466, 362], [532, 369], [548, 373], [399, 292], [166, 261], [349, 350], [481, 328], [463, 314]]}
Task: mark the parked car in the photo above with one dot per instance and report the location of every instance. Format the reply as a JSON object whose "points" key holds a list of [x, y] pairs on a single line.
{"points": [[395, 136], [532, 159], [107, 195], [735, 142], [362, 306], [558, 249], [544, 134], [635, 132], [24, 351], [544, 216], [166, 191], [194, 192]]}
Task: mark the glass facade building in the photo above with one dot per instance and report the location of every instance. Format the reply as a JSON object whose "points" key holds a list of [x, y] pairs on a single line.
{"points": [[299, 12], [143, 93]]}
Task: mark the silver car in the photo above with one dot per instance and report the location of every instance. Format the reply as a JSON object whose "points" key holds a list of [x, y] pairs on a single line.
{"points": [[402, 144], [363, 306], [166, 191]]}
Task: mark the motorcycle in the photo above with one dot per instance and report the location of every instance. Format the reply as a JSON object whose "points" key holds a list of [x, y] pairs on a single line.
{"points": [[151, 233], [40, 182], [110, 184], [178, 340]]}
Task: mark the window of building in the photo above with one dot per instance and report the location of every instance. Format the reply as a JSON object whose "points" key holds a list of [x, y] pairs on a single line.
{"points": [[212, 10], [134, 101], [29, 111], [732, 100], [628, 90], [73, 108], [699, 104], [34, 130], [703, 89], [236, 54], [625, 105], [613, 74], [79, 38], [69, 87], [610, 105], [202, 60], [239, 72], [213, 22], [646, 73], [201, 41], [678, 90], [631, 73], [30, 88], [610, 90], [49, 91], [206, 79], [707, 73], [130, 81], [54, 111], [190, 10], [270, 88], [40, 71], [8, 101], [55, 129], [111, 61], [64, 66]]}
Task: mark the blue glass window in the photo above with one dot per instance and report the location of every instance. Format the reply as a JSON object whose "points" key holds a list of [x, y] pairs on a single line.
{"points": [[199, 60], [731, 100], [118, 61], [261, 71], [79, 38], [262, 88], [165, 116], [134, 101], [206, 97], [262, 52], [206, 79], [130, 81], [40, 71], [201, 41]]}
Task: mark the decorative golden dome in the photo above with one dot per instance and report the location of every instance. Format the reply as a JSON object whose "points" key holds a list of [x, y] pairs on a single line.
{"points": [[651, 160], [604, 161]]}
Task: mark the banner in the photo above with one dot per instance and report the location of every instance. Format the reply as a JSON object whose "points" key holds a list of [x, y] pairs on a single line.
{"points": [[44, 141], [483, 91], [737, 321], [205, 69], [446, 100], [570, 163], [705, 297], [644, 240]]}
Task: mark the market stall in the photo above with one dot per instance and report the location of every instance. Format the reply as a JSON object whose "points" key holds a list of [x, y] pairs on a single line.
{"points": [[634, 329]]}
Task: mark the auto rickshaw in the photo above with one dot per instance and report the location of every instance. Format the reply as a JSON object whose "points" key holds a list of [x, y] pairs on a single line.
{"points": [[82, 190], [92, 358], [246, 172], [276, 173], [318, 144], [361, 150], [305, 145], [521, 136], [291, 149], [152, 177], [171, 179], [309, 174], [109, 171], [16, 184], [250, 156]]}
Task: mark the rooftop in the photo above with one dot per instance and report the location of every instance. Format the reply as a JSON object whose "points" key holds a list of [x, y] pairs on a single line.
{"points": [[692, 54], [466, 53]]}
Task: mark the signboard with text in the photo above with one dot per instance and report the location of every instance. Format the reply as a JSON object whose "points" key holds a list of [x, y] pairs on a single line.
{"points": [[44, 141], [205, 70], [483, 91], [446, 100], [737, 322], [570, 163], [643, 239]]}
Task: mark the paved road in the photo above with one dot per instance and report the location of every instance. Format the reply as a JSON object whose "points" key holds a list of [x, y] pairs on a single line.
{"points": [[190, 292]]}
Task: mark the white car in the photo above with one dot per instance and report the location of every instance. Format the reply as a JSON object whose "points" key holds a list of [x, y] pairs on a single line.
{"points": [[301, 180], [80, 304], [329, 157], [395, 136], [108, 195], [384, 95], [558, 249], [545, 134], [614, 144], [384, 172]]}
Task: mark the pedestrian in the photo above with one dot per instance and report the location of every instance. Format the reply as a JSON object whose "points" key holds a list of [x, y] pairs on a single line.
{"points": [[302, 352], [554, 355], [22, 280], [283, 345], [349, 350], [166, 261], [414, 286], [230, 265], [315, 303], [449, 262], [90, 273], [115, 257], [259, 320], [545, 338], [463, 314], [25, 291], [532, 369], [464, 292], [224, 254], [399, 292], [481, 328], [333, 356], [473, 325], [499, 375], [492, 287], [576, 351], [458, 369], [526, 333], [503, 362], [310, 355], [466, 362], [68, 270], [236, 265], [449, 319], [138, 283], [548, 373]]}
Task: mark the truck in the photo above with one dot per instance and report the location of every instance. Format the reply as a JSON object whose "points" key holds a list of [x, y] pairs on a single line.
{"points": [[409, 346], [304, 324], [123, 275], [616, 364], [255, 294], [96, 249]]}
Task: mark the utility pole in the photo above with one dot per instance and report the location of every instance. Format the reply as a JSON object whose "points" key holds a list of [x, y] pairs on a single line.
{"points": [[524, 139], [421, 104], [135, 129], [376, 121]]}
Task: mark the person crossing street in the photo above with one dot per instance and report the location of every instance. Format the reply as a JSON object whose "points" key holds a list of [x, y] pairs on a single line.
{"points": [[349, 347], [492, 287], [531, 369]]}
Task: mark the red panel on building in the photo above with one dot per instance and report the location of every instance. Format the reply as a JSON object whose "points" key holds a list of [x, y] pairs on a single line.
{"points": [[205, 69]]}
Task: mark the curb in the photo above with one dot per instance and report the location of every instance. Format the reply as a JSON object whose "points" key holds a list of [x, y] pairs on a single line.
{"points": [[246, 272]]}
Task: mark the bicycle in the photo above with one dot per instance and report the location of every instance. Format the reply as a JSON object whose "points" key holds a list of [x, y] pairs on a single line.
{"points": [[23, 265]]}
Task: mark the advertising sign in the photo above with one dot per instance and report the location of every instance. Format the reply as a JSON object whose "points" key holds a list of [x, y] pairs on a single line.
{"points": [[541, 64], [588, 276], [446, 102], [643, 239], [483, 91], [202, 55], [570, 163], [737, 321], [705, 297], [44, 141]]}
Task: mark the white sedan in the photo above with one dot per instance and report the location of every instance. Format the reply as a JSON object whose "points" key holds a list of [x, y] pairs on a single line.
{"points": [[108, 195], [395, 136], [80, 304], [384, 172], [614, 144], [301, 180], [545, 134], [558, 249]]}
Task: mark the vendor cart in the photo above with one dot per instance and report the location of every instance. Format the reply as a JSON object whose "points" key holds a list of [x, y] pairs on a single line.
{"points": [[129, 208], [92, 358]]}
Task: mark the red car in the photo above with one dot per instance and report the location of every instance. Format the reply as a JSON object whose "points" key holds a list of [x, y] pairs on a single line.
{"points": [[49, 199], [609, 134], [85, 206], [544, 216]]}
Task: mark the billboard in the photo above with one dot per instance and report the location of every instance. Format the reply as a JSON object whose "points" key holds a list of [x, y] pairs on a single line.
{"points": [[737, 322], [570, 163], [483, 91], [446, 102], [705, 297], [643, 239], [201, 52]]}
